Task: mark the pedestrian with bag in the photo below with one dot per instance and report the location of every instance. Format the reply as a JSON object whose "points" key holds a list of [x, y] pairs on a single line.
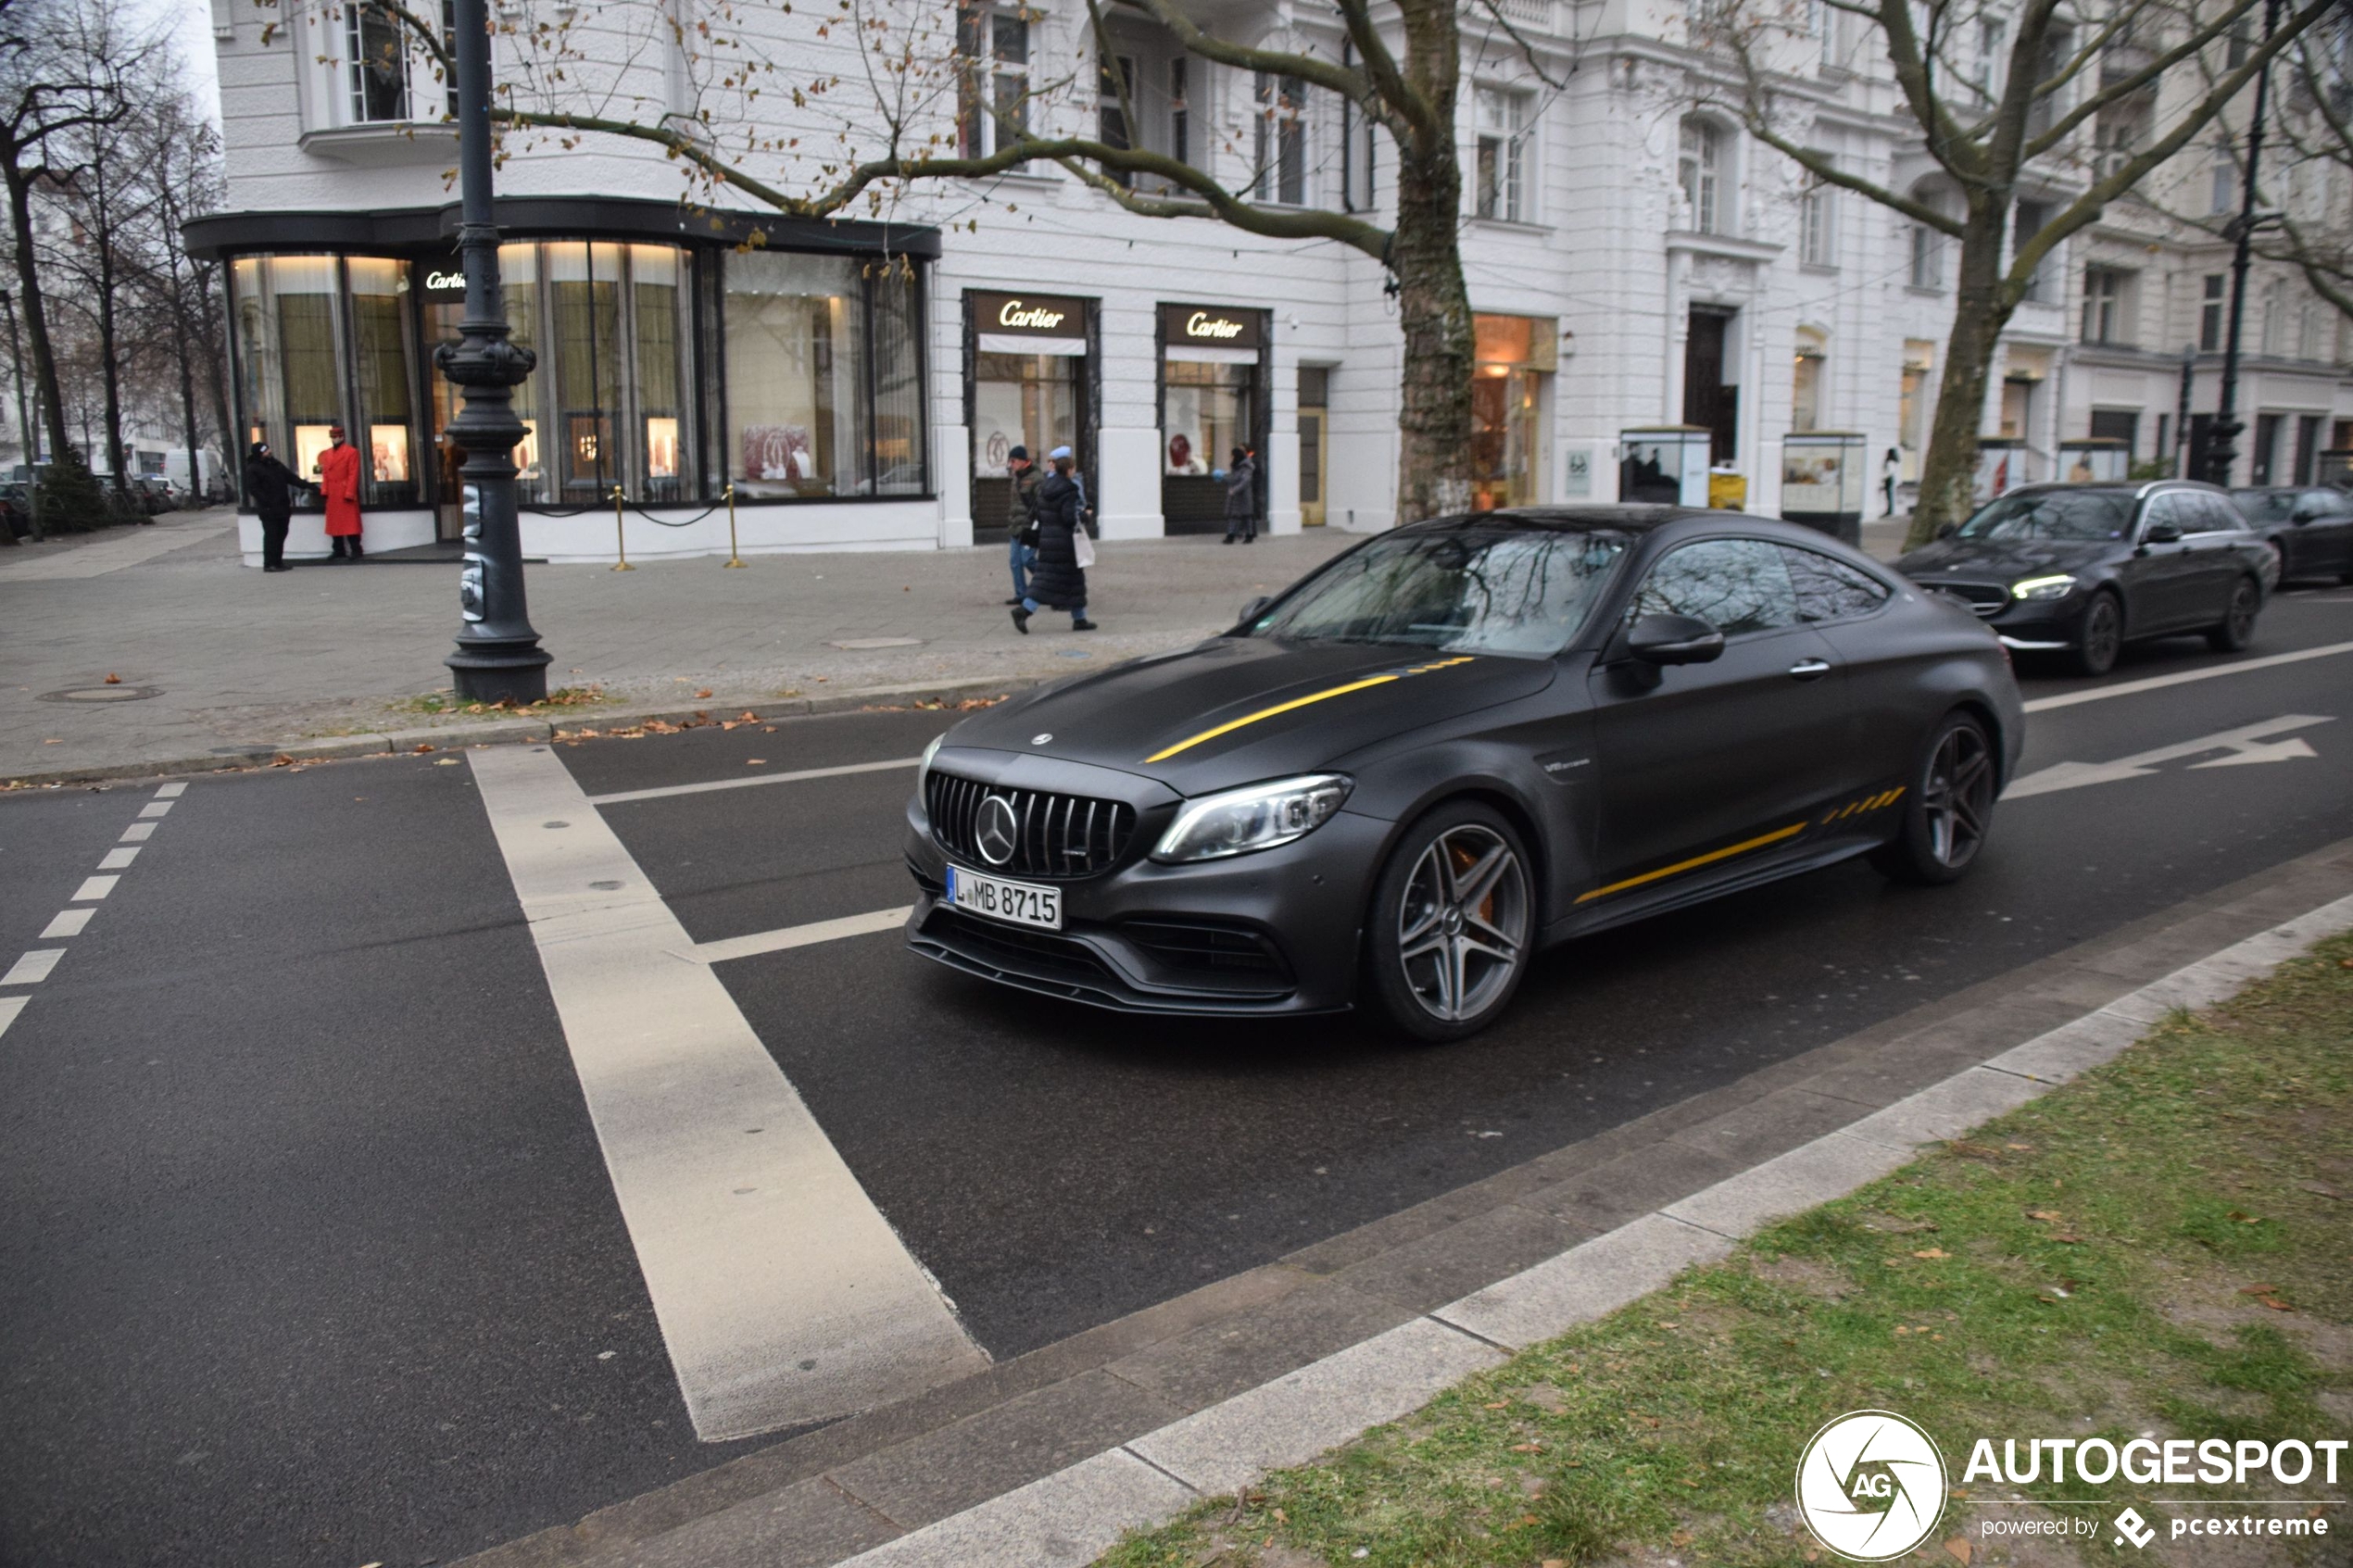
{"points": [[1021, 523], [1064, 551], [339, 483], [1241, 499], [271, 486]]}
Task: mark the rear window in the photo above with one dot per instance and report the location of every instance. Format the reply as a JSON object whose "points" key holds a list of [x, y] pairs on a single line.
{"points": [[2054, 514], [2265, 506]]}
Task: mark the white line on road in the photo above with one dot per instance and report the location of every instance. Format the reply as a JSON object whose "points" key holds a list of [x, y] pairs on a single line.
{"points": [[155, 809], [799, 935], [2247, 744], [138, 833], [70, 922], [33, 968], [2157, 682], [10, 1007], [95, 887], [708, 785], [783, 1293], [116, 860], [171, 792]]}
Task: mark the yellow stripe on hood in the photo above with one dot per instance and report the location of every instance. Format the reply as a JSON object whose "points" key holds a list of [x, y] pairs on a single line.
{"points": [[1229, 726]]}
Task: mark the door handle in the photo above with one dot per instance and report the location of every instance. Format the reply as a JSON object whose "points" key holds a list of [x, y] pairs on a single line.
{"points": [[1809, 669]]}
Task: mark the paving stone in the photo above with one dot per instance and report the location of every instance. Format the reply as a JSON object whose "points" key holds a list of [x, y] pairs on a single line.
{"points": [[1632, 1185], [807, 1525], [1305, 1412], [1065, 1520], [1830, 1167], [1243, 1349], [1946, 1110], [1585, 1283], [1773, 1124], [1460, 1259], [2071, 1048]]}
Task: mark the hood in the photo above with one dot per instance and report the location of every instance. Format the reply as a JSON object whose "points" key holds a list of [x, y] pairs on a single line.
{"points": [[1990, 560], [1275, 707]]}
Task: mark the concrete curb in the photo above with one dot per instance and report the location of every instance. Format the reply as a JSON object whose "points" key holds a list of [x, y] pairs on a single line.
{"points": [[505, 732], [1328, 1402]]}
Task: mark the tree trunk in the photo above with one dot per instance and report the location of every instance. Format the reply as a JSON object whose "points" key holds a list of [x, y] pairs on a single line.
{"points": [[103, 240], [1433, 304], [47, 394], [1983, 307], [187, 392]]}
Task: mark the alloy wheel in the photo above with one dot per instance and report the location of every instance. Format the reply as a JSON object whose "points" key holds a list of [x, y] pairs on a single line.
{"points": [[1462, 926], [2103, 635], [1959, 800], [2242, 614]]}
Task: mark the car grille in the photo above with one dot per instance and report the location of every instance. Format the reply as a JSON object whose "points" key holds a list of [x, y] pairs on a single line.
{"points": [[1986, 599], [1201, 953], [1057, 835]]}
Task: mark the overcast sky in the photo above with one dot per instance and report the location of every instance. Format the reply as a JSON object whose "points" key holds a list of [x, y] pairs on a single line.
{"points": [[190, 24]]}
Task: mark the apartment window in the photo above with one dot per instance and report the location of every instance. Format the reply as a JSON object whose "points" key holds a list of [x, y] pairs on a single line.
{"points": [[1805, 381], [2105, 316], [2222, 182], [992, 94], [1282, 140], [1817, 225], [2242, 45], [1115, 95], [1180, 114], [378, 52], [1987, 78], [1500, 175], [2308, 330], [2274, 319], [2209, 313], [1928, 257], [2026, 221], [1698, 173]]}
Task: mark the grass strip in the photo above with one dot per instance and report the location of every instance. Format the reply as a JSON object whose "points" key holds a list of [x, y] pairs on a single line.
{"points": [[2164, 1247]]}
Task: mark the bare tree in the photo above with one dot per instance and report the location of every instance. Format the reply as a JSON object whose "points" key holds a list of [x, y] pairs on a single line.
{"points": [[1992, 119], [906, 94], [178, 170]]}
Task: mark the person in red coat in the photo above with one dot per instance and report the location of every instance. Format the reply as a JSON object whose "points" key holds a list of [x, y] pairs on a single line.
{"points": [[339, 487]]}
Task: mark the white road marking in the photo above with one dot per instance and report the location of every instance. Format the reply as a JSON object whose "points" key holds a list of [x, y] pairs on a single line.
{"points": [[95, 887], [2247, 743], [2157, 683], [705, 788], [10, 1007], [116, 860], [783, 1293], [155, 809], [70, 922], [33, 968], [138, 833], [799, 935], [172, 791]]}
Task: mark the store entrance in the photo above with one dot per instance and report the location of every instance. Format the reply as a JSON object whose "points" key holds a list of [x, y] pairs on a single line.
{"points": [[1709, 400], [1212, 399], [1314, 393], [1028, 389]]}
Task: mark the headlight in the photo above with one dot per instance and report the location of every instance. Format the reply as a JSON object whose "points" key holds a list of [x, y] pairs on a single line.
{"points": [[1238, 820], [2043, 588], [924, 767]]}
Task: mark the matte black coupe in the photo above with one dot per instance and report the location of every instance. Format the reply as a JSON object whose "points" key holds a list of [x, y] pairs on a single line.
{"points": [[1450, 747], [2078, 570]]}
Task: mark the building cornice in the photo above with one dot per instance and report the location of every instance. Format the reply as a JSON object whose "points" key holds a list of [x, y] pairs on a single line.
{"points": [[433, 229]]}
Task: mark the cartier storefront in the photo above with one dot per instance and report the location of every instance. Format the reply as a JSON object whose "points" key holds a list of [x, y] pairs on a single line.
{"points": [[1214, 380], [1030, 381]]}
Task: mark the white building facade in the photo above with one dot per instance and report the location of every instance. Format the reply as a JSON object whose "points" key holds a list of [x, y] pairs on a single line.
{"points": [[1634, 261]]}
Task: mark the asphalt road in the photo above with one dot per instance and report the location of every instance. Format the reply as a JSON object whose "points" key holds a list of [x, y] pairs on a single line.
{"points": [[310, 1254]]}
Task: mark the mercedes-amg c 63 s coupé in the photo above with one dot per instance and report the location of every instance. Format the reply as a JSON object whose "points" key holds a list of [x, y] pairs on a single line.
{"points": [[1461, 742]]}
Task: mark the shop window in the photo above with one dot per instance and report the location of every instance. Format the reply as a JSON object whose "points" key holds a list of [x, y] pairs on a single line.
{"points": [[992, 91], [1913, 403], [901, 448], [657, 312], [583, 297], [807, 413], [384, 378], [1513, 359], [1281, 140], [1500, 183], [1805, 381], [1699, 177]]}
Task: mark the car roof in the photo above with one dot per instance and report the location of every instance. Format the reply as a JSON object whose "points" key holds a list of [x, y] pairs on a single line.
{"points": [[1627, 518], [2135, 489]]}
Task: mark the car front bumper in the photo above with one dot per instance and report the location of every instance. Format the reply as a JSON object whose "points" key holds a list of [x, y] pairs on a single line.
{"points": [[1271, 933]]}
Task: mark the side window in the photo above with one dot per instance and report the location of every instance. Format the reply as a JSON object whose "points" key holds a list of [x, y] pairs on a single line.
{"points": [[1830, 590], [2215, 515], [1735, 586], [2320, 504], [2167, 509]]}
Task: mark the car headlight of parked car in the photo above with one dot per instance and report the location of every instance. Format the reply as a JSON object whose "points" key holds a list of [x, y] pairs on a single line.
{"points": [[1235, 821], [923, 768], [2057, 587]]}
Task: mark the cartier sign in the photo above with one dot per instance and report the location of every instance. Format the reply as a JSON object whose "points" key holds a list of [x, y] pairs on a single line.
{"points": [[1212, 326], [1029, 315], [442, 282]]}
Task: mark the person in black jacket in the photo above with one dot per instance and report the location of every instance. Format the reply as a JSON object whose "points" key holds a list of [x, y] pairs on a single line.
{"points": [[1241, 499], [271, 486], [1057, 579]]}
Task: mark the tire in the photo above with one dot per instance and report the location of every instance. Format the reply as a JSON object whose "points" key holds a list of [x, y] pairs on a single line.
{"points": [[2101, 638], [1948, 809], [2236, 629], [1452, 926]]}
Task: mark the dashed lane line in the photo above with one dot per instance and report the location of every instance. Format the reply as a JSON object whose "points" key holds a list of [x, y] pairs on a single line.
{"points": [[155, 809], [172, 791], [70, 922], [34, 967], [2157, 683], [708, 786], [117, 859], [799, 935], [783, 1294], [10, 1007], [138, 833], [95, 887]]}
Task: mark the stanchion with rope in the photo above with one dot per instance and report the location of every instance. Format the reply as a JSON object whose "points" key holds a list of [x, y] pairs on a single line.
{"points": [[733, 558], [620, 536]]}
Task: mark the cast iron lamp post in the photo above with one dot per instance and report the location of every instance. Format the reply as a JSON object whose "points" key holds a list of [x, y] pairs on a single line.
{"points": [[2222, 452], [499, 657]]}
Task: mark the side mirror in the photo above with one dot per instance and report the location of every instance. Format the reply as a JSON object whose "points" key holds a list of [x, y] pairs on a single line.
{"points": [[1251, 610], [1946, 530], [2308, 514], [1674, 639], [2162, 533]]}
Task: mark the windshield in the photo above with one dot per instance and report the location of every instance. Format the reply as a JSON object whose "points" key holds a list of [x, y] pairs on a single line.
{"points": [[2054, 514], [1475, 591]]}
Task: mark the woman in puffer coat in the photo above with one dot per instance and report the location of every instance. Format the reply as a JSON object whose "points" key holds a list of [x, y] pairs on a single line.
{"points": [[1057, 579]]}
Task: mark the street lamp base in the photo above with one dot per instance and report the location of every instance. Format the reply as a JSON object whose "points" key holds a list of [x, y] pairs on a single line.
{"points": [[516, 676]]}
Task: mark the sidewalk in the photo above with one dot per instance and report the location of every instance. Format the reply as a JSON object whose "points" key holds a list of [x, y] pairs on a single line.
{"points": [[214, 658]]}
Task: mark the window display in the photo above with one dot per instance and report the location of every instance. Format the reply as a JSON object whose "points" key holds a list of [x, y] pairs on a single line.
{"points": [[383, 376], [792, 374], [1213, 398], [1514, 358]]}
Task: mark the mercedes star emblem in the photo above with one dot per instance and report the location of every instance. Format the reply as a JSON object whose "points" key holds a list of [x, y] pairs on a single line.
{"points": [[1039, 740], [995, 830]]}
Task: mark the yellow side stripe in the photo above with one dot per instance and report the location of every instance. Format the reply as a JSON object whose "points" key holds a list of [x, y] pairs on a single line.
{"points": [[1758, 842], [1232, 726]]}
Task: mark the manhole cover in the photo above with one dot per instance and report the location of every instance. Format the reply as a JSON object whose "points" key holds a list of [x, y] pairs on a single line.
{"points": [[102, 694], [859, 645]]}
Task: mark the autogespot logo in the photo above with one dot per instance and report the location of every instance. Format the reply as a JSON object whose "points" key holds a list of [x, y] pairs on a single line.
{"points": [[1871, 1485]]}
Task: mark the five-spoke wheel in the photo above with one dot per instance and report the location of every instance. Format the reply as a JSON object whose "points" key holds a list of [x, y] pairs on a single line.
{"points": [[1452, 921], [1949, 807]]}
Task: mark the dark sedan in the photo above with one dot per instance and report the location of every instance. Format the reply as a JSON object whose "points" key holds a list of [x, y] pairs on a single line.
{"points": [[2081, 570], [2311, 529], [1456, 745]]}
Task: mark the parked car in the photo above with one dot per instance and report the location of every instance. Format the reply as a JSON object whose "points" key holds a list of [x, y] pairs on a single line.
{"points": [[160, 490], [2081, 570], [15, 510], [2309, 527], [1457, 744]]}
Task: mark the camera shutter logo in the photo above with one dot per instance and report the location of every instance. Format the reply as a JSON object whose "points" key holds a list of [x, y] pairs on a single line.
{"points": [[996, 831], [1871, 1485]]}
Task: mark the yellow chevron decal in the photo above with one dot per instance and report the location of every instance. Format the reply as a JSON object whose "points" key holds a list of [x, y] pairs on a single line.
{"points": [[1231, 725], [1709, 858]]}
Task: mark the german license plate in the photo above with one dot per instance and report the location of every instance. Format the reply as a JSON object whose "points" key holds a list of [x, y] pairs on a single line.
{"points": [[1019, 903]]}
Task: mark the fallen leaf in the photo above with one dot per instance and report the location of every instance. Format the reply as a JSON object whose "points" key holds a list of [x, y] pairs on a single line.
{"points": [[1812, 1556], [1500, 1405], [114, 679], [446, 762], [1901, 1329], [1281, 1517], [1524, 1521], [1670, 1325], [421, 748], [2044, 1214], [1528, 1447], [2022, 1147], [2246, 1218], [55, 740], [754, 761], [1959, 1548], [1681, 1537], [2069, 1240], [2275, 1303], [2259, 1290], [1931, 1252], [702, 693]]}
